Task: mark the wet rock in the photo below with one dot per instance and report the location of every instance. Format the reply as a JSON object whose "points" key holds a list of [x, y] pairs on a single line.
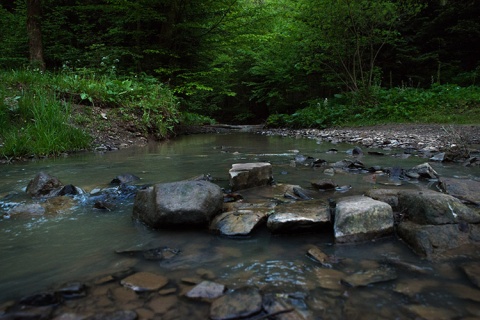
{"points": [[176, 204], [239, 222], [144, 281], [323, 184], [305, 215], [27, 209], [435, 208], [349, 165], [59, 205], [364, 278], [413, 287], [249, 175], [438, 157], [207, 290], [463, 189], [318, 255], [329, 278], [29, 313], [126, 178], [116, 315], [423, 170], [389, 196], [301, 193], [430, 313], [472, 270], [154, 254], [428, 240], [73, 290], [279, 307], [43, 185], [464, 291], [239, 303], [41, 299], [408, 266], [70, 190], [359, 218]]}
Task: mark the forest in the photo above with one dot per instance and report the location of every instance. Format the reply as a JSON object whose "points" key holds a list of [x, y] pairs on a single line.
{"points": [[164, 63]]}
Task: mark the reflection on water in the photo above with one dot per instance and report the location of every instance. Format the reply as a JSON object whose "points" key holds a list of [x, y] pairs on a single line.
{"points": [[44, 252]]}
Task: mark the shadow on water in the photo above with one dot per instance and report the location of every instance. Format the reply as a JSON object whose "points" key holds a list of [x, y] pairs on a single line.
{"points": [[79, 244]]}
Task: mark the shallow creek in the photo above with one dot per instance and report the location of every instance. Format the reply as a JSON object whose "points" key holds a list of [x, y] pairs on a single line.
{"points": [[79, 245]]}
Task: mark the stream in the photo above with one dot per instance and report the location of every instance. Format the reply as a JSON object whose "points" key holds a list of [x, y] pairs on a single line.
{"points": [[40, 253]]}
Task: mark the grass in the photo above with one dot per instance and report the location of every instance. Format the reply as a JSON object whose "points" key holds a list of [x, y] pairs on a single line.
{"points": [[445, 104]]}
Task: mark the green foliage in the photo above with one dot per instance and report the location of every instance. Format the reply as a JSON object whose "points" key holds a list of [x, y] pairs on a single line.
{"points": [[440, 104]]}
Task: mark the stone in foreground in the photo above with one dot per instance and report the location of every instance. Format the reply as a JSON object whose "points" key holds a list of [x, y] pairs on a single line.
{"points": [[144, 281], [360, 218], [185, 203], [435, 208], [249, 175], [299, 216], [240, 303]]}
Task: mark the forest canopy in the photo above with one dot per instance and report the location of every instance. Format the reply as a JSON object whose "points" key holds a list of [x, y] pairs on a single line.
{"points": [[245, 60]]}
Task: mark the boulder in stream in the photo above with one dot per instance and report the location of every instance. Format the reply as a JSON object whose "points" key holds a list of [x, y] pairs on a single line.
{"points": [[184, 203], [435, 208], [239, 222], [360, 218], [43, 185], [464, 189], [299, 216], [249, 175]]}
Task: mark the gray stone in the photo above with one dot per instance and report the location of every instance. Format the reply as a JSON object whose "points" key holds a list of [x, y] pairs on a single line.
{"points": [[472, 270], [364, 278], [389, 196], [360, 218], [304, 215], [463, 189], [27, 209], [206, 290], [43, 185], [423, 170], [240, 222], [435, 208], [323, 184], [125, 178], [249, 175], [192, 203], [428, 240], [144, 281], [240, 303]]}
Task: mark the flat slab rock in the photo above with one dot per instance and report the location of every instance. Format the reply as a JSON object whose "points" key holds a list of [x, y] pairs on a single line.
{"points": [[302, 215], [206, 290], [364, 278], [464, 189], [240, 303], [240, 222], [144, 281]]}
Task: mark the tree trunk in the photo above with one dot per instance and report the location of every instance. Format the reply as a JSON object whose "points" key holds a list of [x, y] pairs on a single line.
{"points": [[34, 8]]}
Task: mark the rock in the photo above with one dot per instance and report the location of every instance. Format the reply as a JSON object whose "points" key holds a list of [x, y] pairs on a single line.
{"points": [[438, 157], [360, 218], [429, 312], [324, 184], [176, 204], [330, 278], [27, 209], [73, 290], [472, 270], [206, 290], [389, 196], [115, 315], [59, 205], [125, 178], [154, 254], [279, 308], [423, 170], [318, 255], [415, 286], [239, 222], [70, 190], [249, 175], [364, 278], [463, 189], [41, 299], [144, 281], [239, 303], [304, 215], [428, 240], [43, 185], [435, 208]]}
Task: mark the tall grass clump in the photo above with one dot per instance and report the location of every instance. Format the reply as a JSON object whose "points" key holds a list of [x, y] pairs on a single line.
{"points": [[34, 122]]}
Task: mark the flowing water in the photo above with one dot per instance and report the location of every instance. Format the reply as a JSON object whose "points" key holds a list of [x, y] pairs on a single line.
{"points": [[80, 243]]}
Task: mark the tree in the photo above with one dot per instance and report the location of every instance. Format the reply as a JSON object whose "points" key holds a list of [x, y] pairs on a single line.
{"points": [[34, 9]]}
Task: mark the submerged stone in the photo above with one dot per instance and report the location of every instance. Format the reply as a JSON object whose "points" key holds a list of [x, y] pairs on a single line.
{"points": [[239, 303], [206, 290], [472, 270], [364, 278], [144, 281]]}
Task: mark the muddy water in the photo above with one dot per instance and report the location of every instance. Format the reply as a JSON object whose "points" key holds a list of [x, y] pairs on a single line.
{"points": [[79, 245]]}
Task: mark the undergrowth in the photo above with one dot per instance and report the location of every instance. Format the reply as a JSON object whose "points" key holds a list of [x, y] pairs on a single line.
{"points": [[447, 104]]}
